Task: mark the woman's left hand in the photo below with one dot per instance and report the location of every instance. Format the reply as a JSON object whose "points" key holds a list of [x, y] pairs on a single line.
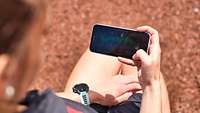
{"points": [[115, 90]]}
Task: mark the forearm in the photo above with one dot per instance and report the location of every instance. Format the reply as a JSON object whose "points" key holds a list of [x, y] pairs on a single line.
{"points": [[151, 100], [164, 95]]}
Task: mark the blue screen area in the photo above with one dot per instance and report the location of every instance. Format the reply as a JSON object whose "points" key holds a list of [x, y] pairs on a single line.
{"points": [[117, 41]]}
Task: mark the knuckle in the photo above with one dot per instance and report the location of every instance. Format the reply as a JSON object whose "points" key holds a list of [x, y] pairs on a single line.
{"points": [[156, 32], [147, 26], [139, 51]]}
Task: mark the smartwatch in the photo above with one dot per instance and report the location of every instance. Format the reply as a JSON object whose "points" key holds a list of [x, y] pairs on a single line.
{"points": [[82, 89]]}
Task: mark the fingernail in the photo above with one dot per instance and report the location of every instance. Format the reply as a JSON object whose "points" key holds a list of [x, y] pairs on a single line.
{"points": [[119, 58], [133, 56]]}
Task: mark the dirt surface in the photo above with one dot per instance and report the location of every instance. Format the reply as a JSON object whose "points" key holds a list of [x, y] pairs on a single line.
{"points": [[69, 25]]}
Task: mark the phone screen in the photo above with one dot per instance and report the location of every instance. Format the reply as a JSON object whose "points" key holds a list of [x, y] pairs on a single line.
{"points": [[117, 41]]}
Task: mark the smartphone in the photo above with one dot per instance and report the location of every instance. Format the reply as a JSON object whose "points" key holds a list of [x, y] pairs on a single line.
{"points": [[116, 41]]}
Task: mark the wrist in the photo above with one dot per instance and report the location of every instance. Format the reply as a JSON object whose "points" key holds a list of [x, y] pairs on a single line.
{"points": [[75, 97], [151, 79], [95, 97], [153, 85]]}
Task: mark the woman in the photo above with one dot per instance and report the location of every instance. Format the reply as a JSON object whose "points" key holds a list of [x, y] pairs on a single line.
{"points": [[21, 22], [113, 80]]}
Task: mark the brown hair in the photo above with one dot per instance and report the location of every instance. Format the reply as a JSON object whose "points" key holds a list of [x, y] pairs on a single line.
{"points": [[21, 22]]}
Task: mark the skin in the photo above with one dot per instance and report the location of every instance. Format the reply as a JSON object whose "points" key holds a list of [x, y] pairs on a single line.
{"points": [[95, 70], [101, 69], [144, 66], [155, 97], [23, 61]]}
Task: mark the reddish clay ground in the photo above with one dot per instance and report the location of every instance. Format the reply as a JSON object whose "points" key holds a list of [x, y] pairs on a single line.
{"points": [[68, 30]]}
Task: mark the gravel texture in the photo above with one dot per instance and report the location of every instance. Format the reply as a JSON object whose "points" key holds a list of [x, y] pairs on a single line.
{"points": [[67, 35]]}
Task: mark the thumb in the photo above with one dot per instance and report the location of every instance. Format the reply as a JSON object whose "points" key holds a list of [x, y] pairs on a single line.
{"points": [[141, 55]]}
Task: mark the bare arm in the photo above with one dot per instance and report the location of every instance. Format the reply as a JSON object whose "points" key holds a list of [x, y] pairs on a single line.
{"points": [[152, 93], [164, 96], [151, 99], [155, 96], [158, 93]]}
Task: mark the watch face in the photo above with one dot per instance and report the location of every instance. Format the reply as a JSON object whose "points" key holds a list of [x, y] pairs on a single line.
{"points": [[82, 87]]}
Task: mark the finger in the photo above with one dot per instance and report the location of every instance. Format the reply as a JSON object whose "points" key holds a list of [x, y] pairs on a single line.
{"points": [[134, 87], [154, 34], [133, 62], [130, 87], [141, 55], [124, 97], [148, 29], [127, 79], [126, 61]]}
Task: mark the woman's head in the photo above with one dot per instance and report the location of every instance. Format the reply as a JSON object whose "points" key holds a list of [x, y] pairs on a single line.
{"points": [[21, 22]]}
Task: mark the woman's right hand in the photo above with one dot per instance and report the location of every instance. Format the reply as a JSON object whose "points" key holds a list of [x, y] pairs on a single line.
{"points": [[148, 63]]}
